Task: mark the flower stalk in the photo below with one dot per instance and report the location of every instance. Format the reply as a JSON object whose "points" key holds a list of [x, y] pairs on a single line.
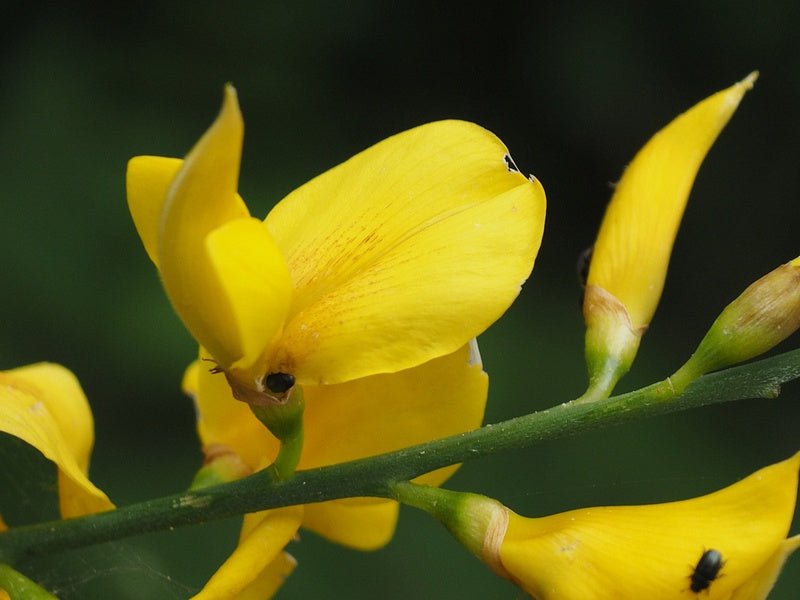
{"points": [[376, 475]]}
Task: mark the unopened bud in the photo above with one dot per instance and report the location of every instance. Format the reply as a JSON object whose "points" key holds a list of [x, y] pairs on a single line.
{"points": [[764, 315]]}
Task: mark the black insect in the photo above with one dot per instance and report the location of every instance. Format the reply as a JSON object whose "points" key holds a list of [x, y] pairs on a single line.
{"points": [[278, 383], [706, 570]]}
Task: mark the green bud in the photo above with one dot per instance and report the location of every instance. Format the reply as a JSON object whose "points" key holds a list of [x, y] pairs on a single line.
{"points": [[764, 315]]}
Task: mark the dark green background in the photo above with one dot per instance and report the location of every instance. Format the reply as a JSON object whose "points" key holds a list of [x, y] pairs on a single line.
{"points": [[572, 88]]}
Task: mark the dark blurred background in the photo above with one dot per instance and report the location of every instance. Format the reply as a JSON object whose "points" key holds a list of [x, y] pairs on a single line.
{"points": [[572, 88]]}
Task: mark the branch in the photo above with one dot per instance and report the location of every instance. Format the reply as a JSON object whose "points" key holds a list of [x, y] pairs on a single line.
{"points": [[373, 476]]}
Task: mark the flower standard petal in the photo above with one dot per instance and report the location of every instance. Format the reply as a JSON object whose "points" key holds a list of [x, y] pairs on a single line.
{"points": [[404, 252], [631, 255], [44, 406], [203, 230]]}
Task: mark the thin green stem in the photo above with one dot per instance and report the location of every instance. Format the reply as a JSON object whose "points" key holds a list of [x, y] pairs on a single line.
{"points": [[288, 455], [374, 476], [285, 422], [20, 587]]}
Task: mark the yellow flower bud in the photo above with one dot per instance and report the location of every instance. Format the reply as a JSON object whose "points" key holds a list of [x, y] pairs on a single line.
{"points": [[631, 254]]}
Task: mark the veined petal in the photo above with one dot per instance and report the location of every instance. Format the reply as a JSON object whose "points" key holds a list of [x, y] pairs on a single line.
{"points": [[635, 241], [258, 566], [404, 252], [650, 551], [44, 406], [215, 264]]}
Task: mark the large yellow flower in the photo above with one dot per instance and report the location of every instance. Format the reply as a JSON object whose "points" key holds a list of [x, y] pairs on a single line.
{"points": [[393, 258], [728, 545], [365, 286], [44, 406]]}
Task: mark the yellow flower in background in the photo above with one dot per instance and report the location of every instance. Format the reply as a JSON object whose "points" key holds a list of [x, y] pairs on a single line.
{"points": [[396, 257], [728, 545], [44, 406], [342, 422], [631, 254]]}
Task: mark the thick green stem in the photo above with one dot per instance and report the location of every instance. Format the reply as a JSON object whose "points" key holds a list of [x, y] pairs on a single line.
{"points": [[375, 476], [19, 587]]}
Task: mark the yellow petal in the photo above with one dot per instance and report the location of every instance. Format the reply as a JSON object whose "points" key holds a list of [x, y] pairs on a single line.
{"points": [[203, 229], [650, 551], [258, 566], [635, 241], [147, 182], [253, 276], [760, 585], [44, 406], [381, 413], [404, 252], [360, 523]]}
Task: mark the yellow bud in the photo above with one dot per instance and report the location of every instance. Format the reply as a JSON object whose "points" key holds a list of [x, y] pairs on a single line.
{"points": [[633, 247]]}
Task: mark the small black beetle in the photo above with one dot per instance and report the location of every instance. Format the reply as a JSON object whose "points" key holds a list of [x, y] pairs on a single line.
{"points": [[706, 570], [278, 383]]}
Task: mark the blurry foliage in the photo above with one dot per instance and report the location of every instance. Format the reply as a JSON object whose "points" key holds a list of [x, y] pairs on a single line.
{"points": [[572, 88]]}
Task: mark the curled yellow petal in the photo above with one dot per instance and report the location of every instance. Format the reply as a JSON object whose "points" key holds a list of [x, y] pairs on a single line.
{"points": [[253, 276], [147, 182], [635, 240], [404, 252], [44, 406], [258, 566], [631, 254], [651, 551], [222, 273]]}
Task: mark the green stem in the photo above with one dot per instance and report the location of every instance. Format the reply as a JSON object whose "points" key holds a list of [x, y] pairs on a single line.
{"points": [[288, 455], [20, 587], [375, 476], [285, 421]]}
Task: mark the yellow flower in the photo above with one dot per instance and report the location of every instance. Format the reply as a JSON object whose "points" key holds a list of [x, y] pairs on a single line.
{"points": [[653, 551], [366, 286], [631, 255], [342, 422], [398, 256], [44, 406]]}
